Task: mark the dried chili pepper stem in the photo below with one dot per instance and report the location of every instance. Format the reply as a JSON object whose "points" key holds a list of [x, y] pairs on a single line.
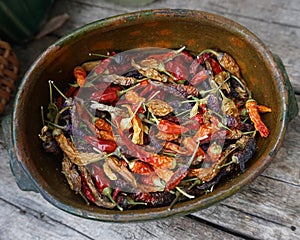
{"points": [[107, 192], [100, 55], [242, 85], [196, 182], [60, 113], [51, 83], [184, 193], [217, 54], [177, 194], [194, 154], [42, 115]]}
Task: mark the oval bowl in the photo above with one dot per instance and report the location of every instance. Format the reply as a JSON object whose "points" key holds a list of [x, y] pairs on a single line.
{"points": [[165, 28]]}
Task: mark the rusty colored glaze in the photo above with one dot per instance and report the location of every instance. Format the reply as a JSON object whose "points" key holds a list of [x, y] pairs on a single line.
{"points": [[183, 27]]}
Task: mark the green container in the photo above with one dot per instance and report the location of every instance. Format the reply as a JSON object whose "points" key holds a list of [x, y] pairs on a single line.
{"points": [[20, 20]]}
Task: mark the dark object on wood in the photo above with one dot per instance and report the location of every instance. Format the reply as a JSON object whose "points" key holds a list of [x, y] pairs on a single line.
{"points": [[8, 73]]}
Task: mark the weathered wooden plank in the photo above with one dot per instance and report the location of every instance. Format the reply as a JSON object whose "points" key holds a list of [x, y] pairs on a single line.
{"points": [[272, 23], [279, 31], [260, 205], [266, 209], [29, 216]]}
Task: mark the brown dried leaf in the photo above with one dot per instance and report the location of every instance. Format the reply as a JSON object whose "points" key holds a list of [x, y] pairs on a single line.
{"points": [[166, 136], [72, 176], [149, 72], [159, 107], [76, 157], [134, 98]]}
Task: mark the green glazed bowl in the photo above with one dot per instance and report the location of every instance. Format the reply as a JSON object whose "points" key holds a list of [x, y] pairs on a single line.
{"points": [[264, 73]]}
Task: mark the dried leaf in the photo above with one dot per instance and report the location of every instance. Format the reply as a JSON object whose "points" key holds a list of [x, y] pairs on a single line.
{"points": [[159, 107], [72, 176], [134, 98], [76, 157], [149, 72], [194, 110]]}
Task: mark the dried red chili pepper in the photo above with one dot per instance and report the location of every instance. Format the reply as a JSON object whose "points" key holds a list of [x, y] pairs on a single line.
{"points": [[101, 124], [190, 144], [199, 118], [178, 68], [200, 77], [101, 180], [140, 167], [104, 63], [197, 62], [109, 95], [175, 148], [107, 146], [158, 161], [179, 174], [186, 90], [86, 190], [253, 112], [135, 150], [171, 128], [80, 75], [216, 67]]}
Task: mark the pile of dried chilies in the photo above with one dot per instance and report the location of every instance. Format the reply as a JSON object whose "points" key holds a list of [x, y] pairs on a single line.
{"points": [[152, 126]]}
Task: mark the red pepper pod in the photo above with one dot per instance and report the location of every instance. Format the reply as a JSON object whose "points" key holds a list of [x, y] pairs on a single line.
{"points": [[109, 95], [199, 118], [200, 77], [86, 190], [101, 180], [197, 62], [80, 75], [107, 146], [179, 174], [216, 67], [178, 68], [171, 128]]}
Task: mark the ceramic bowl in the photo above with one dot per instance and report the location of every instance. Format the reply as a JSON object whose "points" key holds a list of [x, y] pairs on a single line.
{"points": [[165, 28]]}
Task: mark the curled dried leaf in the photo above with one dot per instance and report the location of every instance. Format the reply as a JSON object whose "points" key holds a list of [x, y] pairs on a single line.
{"points": [[150, 72], [134, 98], [167, 136], [72, 176], [76, 157], [120, 80], [159, 107]]}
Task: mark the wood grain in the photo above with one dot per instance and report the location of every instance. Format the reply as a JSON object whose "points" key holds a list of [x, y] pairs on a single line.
{"points": [[268, 208]]}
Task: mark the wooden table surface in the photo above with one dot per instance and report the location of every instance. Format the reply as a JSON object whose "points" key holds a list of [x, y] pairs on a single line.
{"points": [[268, 208]]}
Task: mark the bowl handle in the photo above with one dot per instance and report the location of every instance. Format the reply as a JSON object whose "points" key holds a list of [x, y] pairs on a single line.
{"points": [[292, 101], [22, 179]]}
